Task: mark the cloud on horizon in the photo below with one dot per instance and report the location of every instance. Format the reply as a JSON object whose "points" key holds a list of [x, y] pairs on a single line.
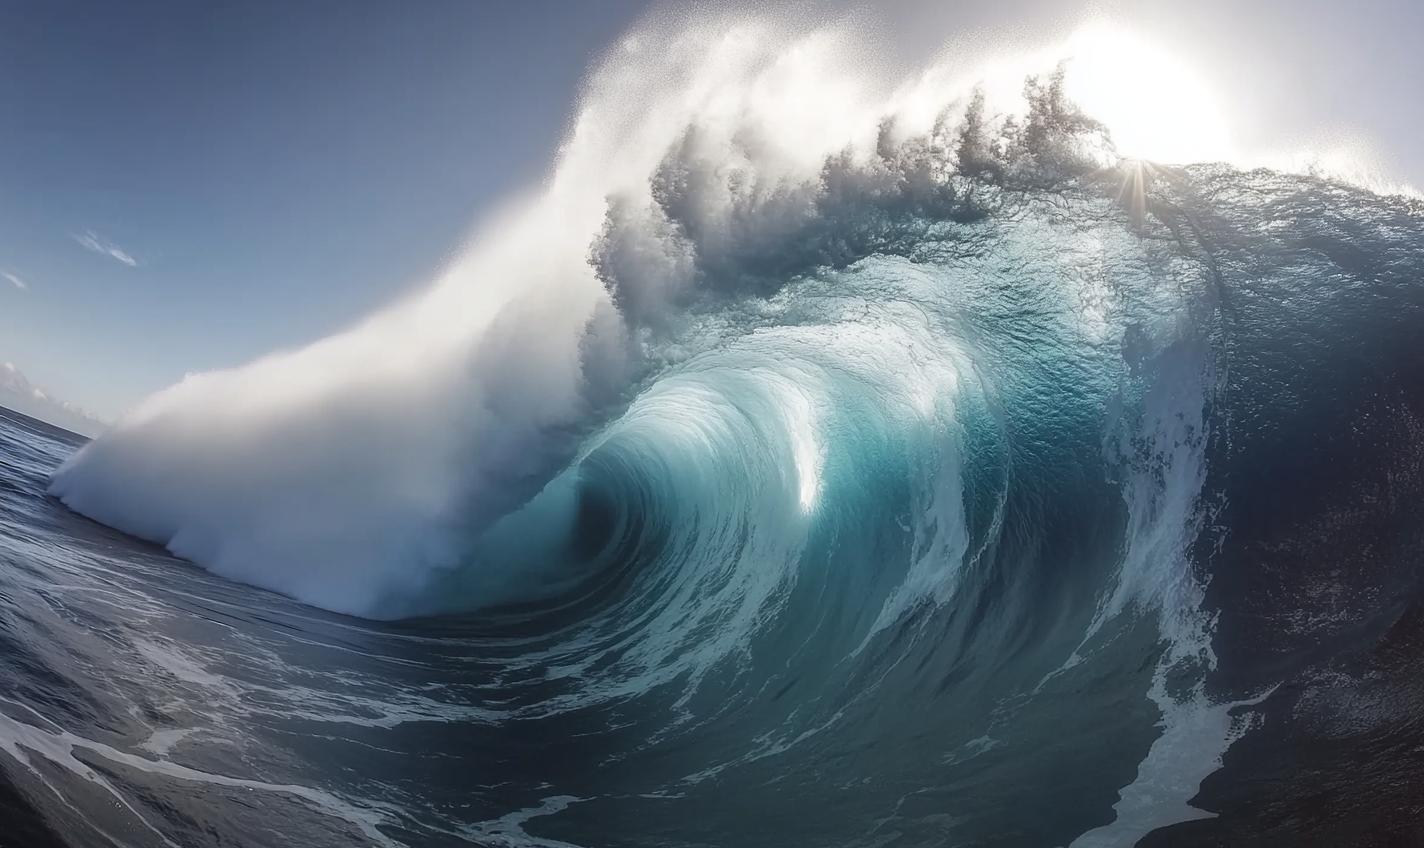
{"points": [[19, 283], [91, 241], [19, 394]]}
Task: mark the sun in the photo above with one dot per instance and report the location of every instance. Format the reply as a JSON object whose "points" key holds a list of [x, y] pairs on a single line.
{"points": [[1156, 107]]}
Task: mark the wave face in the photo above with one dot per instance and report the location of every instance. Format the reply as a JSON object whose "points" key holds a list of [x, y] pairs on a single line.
{"points": [[844, 438]]}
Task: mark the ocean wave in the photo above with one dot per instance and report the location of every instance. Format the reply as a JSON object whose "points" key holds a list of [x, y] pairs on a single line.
{"points": [[790, 394]]}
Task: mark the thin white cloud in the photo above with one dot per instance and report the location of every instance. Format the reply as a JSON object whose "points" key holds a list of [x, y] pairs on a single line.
{"points": [[19, 283], [92, 241]]}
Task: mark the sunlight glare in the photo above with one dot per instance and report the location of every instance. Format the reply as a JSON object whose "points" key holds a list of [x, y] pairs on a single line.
{"points": [[1156, 107]]}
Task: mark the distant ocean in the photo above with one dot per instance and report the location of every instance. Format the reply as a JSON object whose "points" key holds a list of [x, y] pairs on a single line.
{"points": [[968, 487]]}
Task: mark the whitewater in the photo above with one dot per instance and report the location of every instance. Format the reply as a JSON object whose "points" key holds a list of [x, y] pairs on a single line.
{"points": [[824, 454]]}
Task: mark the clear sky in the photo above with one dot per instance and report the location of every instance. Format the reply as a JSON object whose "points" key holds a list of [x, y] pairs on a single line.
{"points": [[186, 186]]}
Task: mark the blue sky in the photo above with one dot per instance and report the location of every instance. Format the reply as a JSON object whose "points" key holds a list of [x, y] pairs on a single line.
{"points": [[186, 186]]}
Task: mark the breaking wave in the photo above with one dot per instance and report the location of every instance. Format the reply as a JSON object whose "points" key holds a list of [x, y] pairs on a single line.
{"points": [[795, 391]]}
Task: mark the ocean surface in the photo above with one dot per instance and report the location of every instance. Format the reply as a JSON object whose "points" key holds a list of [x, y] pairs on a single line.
{"points": [[950, 483]]}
